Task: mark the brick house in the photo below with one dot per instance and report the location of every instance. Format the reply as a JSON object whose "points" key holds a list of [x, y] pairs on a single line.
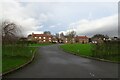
{"points": [[40, 38], [48, 38], [82, 39]]}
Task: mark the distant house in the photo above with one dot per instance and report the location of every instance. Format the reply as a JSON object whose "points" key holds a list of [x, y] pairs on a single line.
{"points": [[54, 39], [40, 38], [79, 39], [82, 39], [115, 38], [67, 39], [48, 38], [23, 39], [30, 38], [94, 40], [97, 40]]}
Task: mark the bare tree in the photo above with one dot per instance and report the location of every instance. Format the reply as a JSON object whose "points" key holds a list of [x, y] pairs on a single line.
{"points": [[71, 35], [9, 32], [61, 35]]}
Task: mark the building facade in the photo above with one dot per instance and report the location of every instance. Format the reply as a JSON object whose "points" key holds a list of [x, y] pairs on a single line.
{"points": [[47, 38], [68, 39], [40, 38], [82, 39]]}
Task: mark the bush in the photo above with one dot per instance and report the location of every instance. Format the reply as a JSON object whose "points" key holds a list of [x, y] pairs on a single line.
{"points": [[106, 49]]}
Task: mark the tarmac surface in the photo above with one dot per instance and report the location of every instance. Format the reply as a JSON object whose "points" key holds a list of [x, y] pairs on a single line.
{"points": [[52, 62]]}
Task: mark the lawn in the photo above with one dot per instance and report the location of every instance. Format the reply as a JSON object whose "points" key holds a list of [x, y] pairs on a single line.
{"points": [[104, 51], [79, 49], [12, 62], [14, 56]]}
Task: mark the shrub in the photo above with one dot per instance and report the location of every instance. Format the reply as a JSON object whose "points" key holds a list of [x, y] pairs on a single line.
{"points": [[106, 49]]}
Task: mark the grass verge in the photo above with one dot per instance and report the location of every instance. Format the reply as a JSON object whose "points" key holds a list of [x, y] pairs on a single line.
{"points": [[14, 56], [88, 50]]}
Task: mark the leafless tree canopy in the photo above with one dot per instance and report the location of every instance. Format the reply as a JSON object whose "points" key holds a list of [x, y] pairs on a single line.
{"points": [[9, 32], [71, 35]]}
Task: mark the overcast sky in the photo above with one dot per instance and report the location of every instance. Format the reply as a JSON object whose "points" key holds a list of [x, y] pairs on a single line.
{"points": [[86, 18]]}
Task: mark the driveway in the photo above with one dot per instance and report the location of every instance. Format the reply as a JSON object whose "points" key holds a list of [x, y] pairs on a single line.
{"points": [[52, 62]]}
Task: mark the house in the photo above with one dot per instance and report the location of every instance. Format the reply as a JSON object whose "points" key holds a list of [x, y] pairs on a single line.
{"points": [[29, 38], [97, 40], [115, 38], [67, 39], [54, 39], [94, 40], [23, 39], [40, 38], [82, 39], [48, 38], [79, 39]]}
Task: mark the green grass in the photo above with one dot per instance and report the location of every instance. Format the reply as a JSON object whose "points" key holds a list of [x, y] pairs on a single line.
{"points": [[15, 55], [91, 50], [12, 62], [80, 49], [13, 50]]}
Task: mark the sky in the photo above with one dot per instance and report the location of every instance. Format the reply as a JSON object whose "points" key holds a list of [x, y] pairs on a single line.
{"points": [[86, 18]]}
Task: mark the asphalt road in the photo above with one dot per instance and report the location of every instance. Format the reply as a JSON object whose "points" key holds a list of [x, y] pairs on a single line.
{"points": [[52, 62]]}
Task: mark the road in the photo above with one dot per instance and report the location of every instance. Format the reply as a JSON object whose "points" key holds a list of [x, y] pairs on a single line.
{"points": [[52, 62]]}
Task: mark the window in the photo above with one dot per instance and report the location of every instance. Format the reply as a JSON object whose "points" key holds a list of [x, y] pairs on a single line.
{"points": [[49, 37], [44, 37], [39, 37], [43, 40]]}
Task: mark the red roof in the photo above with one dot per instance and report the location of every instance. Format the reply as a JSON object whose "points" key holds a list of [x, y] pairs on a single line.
{"points": [[82, 37], [41, 35]]}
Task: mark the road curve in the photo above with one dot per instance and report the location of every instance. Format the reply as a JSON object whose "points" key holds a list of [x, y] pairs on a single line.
{"points": [[52, 62]]}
